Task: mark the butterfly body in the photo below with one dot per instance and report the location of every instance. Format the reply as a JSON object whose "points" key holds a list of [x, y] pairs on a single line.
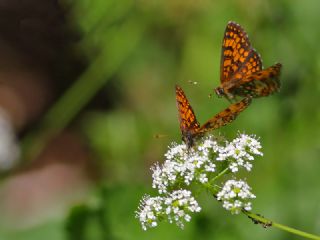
{"points": [[241, 71], [190, 127]]}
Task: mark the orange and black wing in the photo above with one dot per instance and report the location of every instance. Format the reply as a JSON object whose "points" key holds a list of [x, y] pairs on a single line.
{"points": [[259, 84], [188, 122], [226, 116], [251, 65], [237, 55]]}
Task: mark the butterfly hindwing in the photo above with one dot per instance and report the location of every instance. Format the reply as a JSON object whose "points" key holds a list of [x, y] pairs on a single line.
{"points": [[263, 83], [226, 116]]}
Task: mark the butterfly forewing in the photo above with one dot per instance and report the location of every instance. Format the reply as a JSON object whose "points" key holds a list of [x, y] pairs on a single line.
{"points": [[187, 118], [235, 49], [251, 65]]}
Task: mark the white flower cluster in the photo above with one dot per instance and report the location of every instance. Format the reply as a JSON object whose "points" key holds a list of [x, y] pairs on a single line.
{"points": [[202, 165], [176, 207], [184, 165], [149, 210], [236, 196], [240, 152]]}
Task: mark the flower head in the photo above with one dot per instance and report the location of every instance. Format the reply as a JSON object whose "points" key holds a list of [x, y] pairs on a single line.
{"points": [[149, 211], [202, 165], [176, 207], [236, 196], [179, 205], [240, 152], [183, 165]]}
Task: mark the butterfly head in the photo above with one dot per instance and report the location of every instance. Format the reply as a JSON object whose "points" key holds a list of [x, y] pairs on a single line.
{"points": [[219, 91]]}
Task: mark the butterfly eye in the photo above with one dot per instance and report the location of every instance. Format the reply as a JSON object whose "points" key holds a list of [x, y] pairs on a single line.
{"points": [[219, 91]]}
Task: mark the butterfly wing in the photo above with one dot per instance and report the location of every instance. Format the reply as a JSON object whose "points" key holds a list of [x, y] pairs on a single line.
{"points": [[236, 52], [241, 67], [188, 122], [251, 65], [226, 116], [259, 84]]}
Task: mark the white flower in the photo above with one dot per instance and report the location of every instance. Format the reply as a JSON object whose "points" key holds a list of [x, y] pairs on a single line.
{"points": [[236, 196], [160, 181], [240, 152], [150, 210], [209, 145], [176, 207], [249, 142], [203, 178], [183, 165], [179, 205], [176, 151]]}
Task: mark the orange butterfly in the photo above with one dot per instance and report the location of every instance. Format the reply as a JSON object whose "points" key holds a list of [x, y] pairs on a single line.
{"points": [[190, 127], [241, 71]]}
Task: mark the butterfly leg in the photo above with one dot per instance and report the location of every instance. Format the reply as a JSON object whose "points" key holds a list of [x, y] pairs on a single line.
{"points": [[230, 98]]}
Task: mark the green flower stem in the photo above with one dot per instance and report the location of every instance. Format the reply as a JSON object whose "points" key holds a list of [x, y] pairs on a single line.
{"points": [[219, 175], [210, 187], [267, 222]]}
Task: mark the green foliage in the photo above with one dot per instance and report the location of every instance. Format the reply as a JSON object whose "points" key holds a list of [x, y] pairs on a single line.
{"points": [[89, 221]]}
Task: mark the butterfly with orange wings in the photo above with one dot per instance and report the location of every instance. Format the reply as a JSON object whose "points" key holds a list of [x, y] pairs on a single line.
{"points": [[190, 127], [241, 71]]}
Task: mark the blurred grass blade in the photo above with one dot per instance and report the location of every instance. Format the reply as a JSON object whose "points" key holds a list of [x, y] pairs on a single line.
{"points": [[120, 42]]}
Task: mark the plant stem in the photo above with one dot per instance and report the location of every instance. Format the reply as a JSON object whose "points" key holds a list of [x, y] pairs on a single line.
{"points": [[267, 222], [219, 175], [210, 187]]}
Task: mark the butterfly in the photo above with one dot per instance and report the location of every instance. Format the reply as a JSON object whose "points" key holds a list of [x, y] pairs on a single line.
{"points": [[241, 71], [190, 127]]}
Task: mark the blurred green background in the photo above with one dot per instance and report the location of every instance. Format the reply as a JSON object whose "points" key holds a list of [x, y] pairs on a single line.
{"points": [[133, 53]]}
